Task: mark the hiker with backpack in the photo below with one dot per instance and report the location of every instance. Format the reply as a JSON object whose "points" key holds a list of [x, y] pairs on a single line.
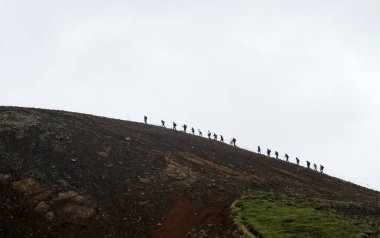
{"points": [[184, 127], [308, 164], [174, 126], [298, 161], [233, 141], [268, 152], [221, 138], [192, 130], [209, 134], [287, 157], [162, 123], [276, 154], [321, 168], [215, 136], [315, 167]]}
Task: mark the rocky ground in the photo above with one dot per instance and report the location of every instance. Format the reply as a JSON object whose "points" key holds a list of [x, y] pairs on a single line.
{"points": [[66, 174]]}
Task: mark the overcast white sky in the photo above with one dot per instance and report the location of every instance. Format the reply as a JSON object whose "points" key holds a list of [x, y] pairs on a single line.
{"points": [[300, 77]]}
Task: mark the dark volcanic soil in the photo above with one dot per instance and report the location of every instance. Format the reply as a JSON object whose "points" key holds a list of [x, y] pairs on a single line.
{"points": [[74, 175]]}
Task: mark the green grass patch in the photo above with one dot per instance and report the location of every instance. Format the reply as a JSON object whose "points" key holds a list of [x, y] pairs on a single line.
{"points": [[276, 215]]}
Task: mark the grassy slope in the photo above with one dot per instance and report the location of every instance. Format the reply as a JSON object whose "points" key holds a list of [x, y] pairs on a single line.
{"points": [[274, 215]]}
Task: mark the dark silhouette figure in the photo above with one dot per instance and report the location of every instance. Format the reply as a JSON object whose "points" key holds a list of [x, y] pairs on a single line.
{"points": [[174, 126], [209, 134], [215, 136], [233, 141], [162, 123], [276, 154], [287, 157], [192, 130], [184, 127], [315, 166], [308, 164], [145, 119], [221, 138], [298, 161], [200, 132], [321, 168], [268, 152], [258, 149]]}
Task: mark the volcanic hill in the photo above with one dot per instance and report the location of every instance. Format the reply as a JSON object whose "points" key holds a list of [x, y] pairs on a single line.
{"points": [[66, 174]]}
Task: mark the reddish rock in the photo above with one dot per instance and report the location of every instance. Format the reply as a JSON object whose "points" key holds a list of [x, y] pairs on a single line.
{"points": [[65, 195], [76, 211], [42, 207], [28, 186]]}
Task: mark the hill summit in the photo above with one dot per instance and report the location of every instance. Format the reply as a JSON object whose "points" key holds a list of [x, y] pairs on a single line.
{"points": [[66, 174]]}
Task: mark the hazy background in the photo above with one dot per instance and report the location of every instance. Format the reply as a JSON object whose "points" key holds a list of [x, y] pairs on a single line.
{"points": [[300, 77]]}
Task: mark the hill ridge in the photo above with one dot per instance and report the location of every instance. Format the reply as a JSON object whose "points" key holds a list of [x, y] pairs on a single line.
{"points": [[130, 179]]}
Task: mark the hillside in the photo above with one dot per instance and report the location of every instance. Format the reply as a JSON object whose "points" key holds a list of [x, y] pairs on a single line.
{"points": [[66, 174]]}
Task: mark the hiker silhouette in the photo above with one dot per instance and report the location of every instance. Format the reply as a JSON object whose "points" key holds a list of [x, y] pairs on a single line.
{"points": [[298, 161], [308, 164], [145, 119], [184, 127], [209, 134], [233, 141], [321, 168], [268, 152], [221, 138], [258, 149], [162, 123], [276, 154], [215, 136], [192, 130], [200, 132], [315, 166], [287, 157], [174, 126]]}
